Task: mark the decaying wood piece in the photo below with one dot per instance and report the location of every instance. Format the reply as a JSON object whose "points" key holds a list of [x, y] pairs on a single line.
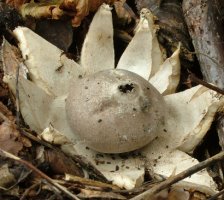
{"points": [[205, 24], [206, 28]]}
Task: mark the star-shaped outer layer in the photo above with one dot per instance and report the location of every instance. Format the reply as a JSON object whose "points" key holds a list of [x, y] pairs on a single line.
{"points": [[189, 114]]}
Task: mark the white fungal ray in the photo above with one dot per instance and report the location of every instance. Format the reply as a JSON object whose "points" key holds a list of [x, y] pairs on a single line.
{"points": [[98, 51], [190, 113], [195, 110], [189, 117], [167, 78], [143, 55], [49, 68], [34, 102], [137, 57], [39, 109], [167, 162], [156, 54], [125, 171]]}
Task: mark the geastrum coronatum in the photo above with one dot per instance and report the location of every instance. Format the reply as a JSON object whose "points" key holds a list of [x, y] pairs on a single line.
{"points": [[117, 110]]}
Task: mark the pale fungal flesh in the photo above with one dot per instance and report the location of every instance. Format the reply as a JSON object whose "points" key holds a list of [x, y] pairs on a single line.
{"points": [[189, 116]]}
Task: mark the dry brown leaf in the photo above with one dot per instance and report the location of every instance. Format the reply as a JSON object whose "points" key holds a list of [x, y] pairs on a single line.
{"points": [[41, 10], [4, 111], [9, 137], [16, 3], [79, 9], [11, 57], [82, 8]]}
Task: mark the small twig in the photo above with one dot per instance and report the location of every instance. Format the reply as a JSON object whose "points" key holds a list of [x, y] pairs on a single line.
{"points": [[17, 97], [194, 79], [40, 173], [174, 179], [89, 182], [204, 54], [36, 139]]}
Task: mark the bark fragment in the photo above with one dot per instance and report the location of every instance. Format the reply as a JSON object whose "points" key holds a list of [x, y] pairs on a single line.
{"points": [[205, 25]]}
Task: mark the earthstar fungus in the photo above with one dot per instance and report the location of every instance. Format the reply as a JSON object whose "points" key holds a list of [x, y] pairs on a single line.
{"points": [[178, 122]]}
